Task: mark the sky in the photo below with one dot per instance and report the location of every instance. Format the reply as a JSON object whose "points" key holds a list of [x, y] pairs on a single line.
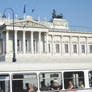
{"points": [[78, 13]]}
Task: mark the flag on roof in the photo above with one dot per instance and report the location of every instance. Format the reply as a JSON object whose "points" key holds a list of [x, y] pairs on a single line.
{"points": [[24, 11]]}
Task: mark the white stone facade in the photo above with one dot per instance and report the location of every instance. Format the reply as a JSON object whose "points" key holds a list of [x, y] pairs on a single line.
{"points": [[42, 39]]}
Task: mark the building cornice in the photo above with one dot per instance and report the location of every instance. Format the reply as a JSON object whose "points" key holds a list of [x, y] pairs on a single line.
{"points": [[20, 28]]}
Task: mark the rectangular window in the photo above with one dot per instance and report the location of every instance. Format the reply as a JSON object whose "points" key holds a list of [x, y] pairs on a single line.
{"points": [[22, 82], [74, 48], [57, 48], [66, 48], [73, 80], [90, 48], [19, 45], [50, 81], [4, 83], [83, 48], [90, 78]]}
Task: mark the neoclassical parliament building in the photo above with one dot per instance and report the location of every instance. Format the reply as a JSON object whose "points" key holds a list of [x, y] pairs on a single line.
{"points": [[42, 41]]}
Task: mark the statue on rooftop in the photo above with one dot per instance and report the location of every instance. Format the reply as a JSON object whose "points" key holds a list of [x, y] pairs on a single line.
{"points": [[54, 15]]}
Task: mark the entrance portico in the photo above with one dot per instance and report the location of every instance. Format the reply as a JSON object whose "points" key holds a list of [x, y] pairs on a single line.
{"points": [[28, 41]]}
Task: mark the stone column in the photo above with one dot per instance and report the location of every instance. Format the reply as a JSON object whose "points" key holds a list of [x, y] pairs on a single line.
{"points": [[52, 44], [62, 46], [70, 45], [15, 42], [39, 46], [7, 42], [24, 49], [79, 45], [47, 42], [87, 46], [32, 49]]}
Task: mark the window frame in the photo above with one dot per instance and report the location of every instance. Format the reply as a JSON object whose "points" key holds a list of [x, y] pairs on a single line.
{"points": [[57, 48], [75, 51], [6, 74], [90, 48], [71, 78], [66, 50], [23, 73], [83, 48], [89, 79], [47, 78]]}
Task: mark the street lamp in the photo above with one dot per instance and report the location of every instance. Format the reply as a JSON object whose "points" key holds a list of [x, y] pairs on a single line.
{"points": [[14, 56]]}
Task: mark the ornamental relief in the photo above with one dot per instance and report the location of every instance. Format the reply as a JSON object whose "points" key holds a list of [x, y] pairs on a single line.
{"points": [[29, 24]]}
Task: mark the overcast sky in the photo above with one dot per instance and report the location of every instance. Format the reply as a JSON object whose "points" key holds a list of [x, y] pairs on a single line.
{"points": [[77, 12]]}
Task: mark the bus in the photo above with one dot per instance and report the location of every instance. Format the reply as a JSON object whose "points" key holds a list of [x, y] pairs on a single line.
{"points": [[46, 77]]}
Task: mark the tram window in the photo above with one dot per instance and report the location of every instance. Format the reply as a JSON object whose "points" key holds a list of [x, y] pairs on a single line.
{"points": [[4, 83], [50, 81], [22, 82], [73, 80], [90, 78]]}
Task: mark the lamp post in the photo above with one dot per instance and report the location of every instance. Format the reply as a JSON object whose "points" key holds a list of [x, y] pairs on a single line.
{"points": [[14, 56]]}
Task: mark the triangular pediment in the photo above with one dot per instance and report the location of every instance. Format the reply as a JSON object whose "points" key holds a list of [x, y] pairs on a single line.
{"points": [[29, 24]]}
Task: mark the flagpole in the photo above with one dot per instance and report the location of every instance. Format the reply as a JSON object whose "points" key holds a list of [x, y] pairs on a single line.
{"points": [[24, 11]]}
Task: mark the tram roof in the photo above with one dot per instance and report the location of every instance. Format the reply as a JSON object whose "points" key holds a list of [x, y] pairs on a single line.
{"points": [[23, 66]]}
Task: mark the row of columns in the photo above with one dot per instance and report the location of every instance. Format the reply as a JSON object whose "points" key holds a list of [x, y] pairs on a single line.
{"points": [[70, 46], [39, 48], [24, 47]]}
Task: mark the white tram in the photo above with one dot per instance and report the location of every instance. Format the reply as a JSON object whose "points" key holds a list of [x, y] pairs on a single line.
{"points": [[15, 77]]}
